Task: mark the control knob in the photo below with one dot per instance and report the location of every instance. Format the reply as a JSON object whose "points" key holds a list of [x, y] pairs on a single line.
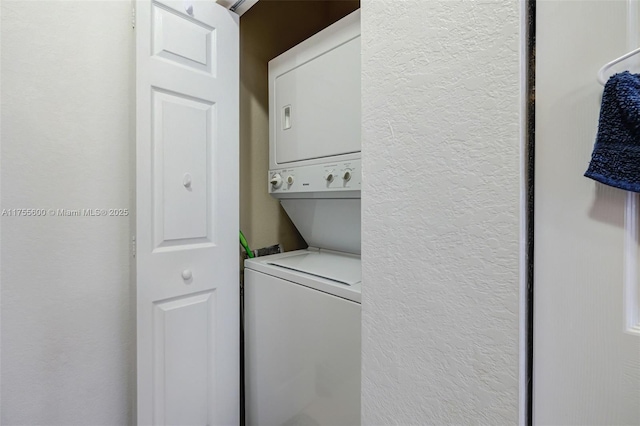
{"points": [[289, 180], [329, 177], [276, 180], [347, 175]]}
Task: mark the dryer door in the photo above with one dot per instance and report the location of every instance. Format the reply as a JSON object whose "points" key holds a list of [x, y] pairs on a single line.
{"points": [[318, 106]]}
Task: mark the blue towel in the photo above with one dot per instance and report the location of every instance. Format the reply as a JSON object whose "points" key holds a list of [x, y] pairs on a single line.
{"points": [[616, 155]]}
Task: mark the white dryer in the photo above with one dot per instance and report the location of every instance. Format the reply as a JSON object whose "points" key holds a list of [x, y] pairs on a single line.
{"points": [[302, 308]]}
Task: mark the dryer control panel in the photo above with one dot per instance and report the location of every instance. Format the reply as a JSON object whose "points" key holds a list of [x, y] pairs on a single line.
{"points": [[342, 176]]}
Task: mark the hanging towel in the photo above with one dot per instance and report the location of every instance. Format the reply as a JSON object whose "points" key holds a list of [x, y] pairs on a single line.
{"points": [[616, 155]]}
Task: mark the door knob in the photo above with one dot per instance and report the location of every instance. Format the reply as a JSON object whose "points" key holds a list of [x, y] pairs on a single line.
{"points": [[186, 180], [186, 274]]}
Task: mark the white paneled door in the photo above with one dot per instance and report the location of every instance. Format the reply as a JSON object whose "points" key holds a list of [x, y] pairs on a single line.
{"points": [[587, 268], [187, 213]]}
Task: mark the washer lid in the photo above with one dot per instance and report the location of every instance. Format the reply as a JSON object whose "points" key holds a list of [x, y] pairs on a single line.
{"points": [[335, 267]]}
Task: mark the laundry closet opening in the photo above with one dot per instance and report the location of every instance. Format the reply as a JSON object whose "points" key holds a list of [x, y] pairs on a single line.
{"points": [[301, 363]]}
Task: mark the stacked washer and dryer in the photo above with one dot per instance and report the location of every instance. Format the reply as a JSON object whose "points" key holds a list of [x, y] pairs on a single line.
{"points": [[302, 308]]}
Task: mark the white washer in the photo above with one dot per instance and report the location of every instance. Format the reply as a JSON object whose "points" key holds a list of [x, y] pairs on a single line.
{"points": [[302, 308], [302, 350]]}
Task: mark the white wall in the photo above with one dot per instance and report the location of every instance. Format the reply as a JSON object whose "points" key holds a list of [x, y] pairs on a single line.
{"points": [[586, 245], [67, 330], [441, 193]]}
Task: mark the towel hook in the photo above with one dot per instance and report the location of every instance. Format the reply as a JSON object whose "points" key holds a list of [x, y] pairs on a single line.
{"points": [[608, 65]]}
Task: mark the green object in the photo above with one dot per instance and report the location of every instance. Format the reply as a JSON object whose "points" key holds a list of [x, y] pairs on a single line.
{"points": [[245, 244]]}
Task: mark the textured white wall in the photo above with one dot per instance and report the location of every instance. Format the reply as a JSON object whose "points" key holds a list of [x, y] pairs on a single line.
{"points": [[440, 238], [67, 332]]}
